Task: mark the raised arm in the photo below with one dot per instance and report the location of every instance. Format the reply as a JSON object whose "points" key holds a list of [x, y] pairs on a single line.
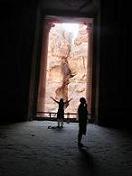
{"points": [[54, 99], [68, 100]]}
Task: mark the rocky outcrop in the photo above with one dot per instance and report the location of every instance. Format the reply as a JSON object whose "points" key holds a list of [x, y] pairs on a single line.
{"points": [[66, 67]]}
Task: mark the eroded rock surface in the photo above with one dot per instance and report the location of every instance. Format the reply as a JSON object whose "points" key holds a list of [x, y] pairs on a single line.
{"points": [[66, 67]]}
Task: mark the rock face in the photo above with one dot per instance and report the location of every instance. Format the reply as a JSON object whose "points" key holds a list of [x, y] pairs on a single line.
{"points": [[66, 74]]}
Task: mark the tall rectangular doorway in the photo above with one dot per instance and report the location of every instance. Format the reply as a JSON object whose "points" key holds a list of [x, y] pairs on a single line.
{"points": [[66, 64]]}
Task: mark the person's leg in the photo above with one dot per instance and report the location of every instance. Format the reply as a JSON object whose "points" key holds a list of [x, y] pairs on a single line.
{"points": [[62, 117], [79, 137], [62, 123], [58, 120]]}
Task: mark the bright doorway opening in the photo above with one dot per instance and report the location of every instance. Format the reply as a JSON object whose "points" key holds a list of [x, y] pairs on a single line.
{"points": [[66, 65]]}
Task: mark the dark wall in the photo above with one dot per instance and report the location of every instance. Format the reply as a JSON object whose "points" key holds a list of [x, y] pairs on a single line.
{"points": [[17, 36], [18, 23], [114, 107]]}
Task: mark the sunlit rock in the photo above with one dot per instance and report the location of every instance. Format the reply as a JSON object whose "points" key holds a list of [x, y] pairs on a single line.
{"points": [[66, 75]]}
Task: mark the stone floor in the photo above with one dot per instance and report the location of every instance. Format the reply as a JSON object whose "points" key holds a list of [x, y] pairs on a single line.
{"points": [[31, 149]]}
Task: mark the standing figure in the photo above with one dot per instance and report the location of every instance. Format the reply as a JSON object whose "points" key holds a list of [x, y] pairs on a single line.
{"points": [[82, 118], [60, 112]]}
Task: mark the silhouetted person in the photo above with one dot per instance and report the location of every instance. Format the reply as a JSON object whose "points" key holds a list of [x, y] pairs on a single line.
{"points": [[60, 113], [82, 118]]}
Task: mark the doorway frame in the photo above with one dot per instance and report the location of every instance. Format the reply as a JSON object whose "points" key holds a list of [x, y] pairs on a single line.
{"points": [[36, 60]]}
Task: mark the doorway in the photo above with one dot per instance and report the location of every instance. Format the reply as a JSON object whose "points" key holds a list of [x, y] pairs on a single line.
{"points": [[65, 64]]}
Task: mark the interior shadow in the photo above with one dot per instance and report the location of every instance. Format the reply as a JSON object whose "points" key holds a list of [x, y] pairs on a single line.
{"points": [[86, 156], [88, 165], [54, 127]]}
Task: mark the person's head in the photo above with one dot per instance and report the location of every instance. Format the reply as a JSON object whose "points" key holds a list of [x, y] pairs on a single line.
{"points": [[82, 100], [61, 100]]}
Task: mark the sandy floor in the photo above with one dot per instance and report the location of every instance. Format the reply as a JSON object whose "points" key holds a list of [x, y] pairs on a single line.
{"points": [[31, 149]]}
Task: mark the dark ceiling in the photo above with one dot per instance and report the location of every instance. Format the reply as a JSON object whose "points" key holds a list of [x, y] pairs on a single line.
{"points": [[76, 5]]}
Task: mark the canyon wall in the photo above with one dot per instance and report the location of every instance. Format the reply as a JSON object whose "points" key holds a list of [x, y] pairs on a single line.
{"points": [[66, 72]]}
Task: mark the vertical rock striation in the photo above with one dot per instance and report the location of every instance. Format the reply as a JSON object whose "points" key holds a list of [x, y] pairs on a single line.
{"points": [[66, 67]]}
